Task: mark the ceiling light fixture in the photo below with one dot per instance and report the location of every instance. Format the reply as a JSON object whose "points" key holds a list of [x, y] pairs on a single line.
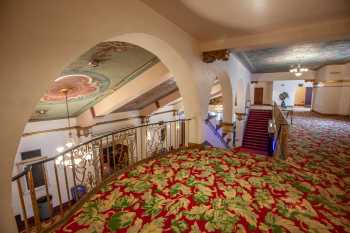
{"points": [[298, 70], [70, 141]]}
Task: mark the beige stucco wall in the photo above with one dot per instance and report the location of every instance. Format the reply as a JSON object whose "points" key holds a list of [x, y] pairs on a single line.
{"points": [[332, 94], [267, 92], [39, 38]]}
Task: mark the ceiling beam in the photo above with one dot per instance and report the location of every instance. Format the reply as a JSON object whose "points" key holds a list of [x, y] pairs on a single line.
{"points": [[148, 110], [146, 81], [316, 32]]}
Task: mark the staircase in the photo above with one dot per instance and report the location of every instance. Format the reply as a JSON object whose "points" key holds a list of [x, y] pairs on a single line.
{"points": [[220, 136], [256, 132]]}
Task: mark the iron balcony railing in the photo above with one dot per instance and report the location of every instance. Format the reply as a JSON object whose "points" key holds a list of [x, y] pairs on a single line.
{"points": [[71, 175]]}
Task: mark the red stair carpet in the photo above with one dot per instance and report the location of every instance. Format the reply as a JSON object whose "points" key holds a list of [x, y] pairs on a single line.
{"points": [[256, 132]]}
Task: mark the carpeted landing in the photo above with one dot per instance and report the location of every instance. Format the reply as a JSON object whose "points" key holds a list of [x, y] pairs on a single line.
{"points": [[231, 191]]}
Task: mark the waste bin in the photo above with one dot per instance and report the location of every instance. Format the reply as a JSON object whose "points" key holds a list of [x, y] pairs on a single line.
{"points": [[44, 208], [78, 191]]}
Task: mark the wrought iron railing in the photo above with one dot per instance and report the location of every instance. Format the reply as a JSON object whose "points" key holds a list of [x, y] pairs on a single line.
{"points": [[81, 169]]}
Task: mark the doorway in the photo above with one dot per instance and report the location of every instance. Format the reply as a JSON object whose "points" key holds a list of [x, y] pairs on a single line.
{"points": [[258, 95], [308, 97]]}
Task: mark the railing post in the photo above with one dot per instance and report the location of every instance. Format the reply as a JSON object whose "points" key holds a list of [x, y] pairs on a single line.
{"points": [[66, 179], [101, 159], [74, 175], [58, 188], [24, 211], [48, 197], [37, 222]]}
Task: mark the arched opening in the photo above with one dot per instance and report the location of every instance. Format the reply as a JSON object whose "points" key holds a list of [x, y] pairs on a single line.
{"points": [[99, 92], [220, 128]]}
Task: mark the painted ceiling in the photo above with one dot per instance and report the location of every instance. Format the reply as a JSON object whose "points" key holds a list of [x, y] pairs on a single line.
{"points": [[91, 77], [311, 55], [150, 96]]}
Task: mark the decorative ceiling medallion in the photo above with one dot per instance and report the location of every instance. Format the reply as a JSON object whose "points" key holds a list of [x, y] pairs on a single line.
{"points": [[209, 57], [105, 49], [78, 86]]}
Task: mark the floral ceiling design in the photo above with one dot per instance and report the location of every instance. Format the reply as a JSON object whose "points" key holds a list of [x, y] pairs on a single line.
{"points": [[94, 75]]}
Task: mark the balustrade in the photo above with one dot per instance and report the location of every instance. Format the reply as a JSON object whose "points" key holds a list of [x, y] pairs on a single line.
{"points": [[80, 170], [281, 132]]}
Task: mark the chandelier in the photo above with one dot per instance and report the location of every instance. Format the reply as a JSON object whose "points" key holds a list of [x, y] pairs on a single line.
{"points": [[298, 70], [70, 141]]}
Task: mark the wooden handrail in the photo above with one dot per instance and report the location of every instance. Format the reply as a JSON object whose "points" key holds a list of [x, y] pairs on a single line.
{"points": [[282, 129]]}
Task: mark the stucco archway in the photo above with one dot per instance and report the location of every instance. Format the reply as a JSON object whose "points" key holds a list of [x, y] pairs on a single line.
{"points": [[44, 47], [241, 96], [227, 97]]}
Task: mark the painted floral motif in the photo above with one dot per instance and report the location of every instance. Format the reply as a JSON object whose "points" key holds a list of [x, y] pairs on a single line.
{"points": [[232, 191], [78, 86]]}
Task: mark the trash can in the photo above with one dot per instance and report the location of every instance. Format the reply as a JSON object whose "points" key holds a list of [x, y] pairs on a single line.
{"points": [[78, 191], [44, 208]]}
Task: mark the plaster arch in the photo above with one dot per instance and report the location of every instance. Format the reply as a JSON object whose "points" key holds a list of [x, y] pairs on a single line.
{"points": [[241, 96], [227, 97], [50, 36], [176, 64]]}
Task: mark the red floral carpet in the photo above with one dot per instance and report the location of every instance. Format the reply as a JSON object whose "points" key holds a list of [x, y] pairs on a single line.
{"points": [[222, 191]]}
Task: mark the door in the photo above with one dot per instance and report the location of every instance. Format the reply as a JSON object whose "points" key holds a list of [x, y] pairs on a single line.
{"points": [[258, 95], [308, 97]]}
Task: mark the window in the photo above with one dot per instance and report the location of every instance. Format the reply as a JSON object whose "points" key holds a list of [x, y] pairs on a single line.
{"points": [[37, 170]]}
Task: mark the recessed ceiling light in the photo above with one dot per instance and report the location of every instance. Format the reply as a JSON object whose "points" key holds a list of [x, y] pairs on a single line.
{"points": [[41, 111]]}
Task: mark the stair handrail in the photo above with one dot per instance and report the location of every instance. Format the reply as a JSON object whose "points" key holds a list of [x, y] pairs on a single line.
{"points": [[282, 129], [216, 133]]}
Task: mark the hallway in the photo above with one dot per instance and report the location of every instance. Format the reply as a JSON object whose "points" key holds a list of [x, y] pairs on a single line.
{"points": [[223, 191]]}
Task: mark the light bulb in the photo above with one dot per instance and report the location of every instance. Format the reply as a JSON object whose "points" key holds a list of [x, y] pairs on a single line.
{"points": [[58, 161], [60, 149], [70, 143], [298, 74]]}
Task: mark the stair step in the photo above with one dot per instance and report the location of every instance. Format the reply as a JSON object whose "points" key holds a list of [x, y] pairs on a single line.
{"points": [[256, 137], [255, 144], [257, 125], [265, 141], [256, 130], [261, 144], [256, 148]]}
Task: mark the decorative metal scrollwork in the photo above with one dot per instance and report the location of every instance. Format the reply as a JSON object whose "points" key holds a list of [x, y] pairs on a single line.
{"points": [[124, 148], [156, 136]]}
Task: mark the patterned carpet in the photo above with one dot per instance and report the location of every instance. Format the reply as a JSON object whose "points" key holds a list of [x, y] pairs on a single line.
{"points": [[222, 191]]}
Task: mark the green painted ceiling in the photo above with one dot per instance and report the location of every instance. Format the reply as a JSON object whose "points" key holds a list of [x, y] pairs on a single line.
{"points": [[311, 55], [112, 65]]}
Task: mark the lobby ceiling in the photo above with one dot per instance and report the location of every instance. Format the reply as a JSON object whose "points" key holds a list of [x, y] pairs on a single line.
{"points": [[311, 55], [97, 73], [151, 96], [214, 20]]}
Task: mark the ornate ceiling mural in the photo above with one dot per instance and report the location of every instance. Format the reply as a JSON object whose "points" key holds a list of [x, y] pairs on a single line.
{"points": [[97, 73], [311, 55], [151, 96]]}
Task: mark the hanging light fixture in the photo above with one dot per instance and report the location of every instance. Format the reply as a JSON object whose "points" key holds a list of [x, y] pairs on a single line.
{"points": [[70, 141], [298, 70]]}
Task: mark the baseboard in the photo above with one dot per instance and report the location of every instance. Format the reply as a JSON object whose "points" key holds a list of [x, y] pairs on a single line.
{"points": [[261, 105], [329, 114]]}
